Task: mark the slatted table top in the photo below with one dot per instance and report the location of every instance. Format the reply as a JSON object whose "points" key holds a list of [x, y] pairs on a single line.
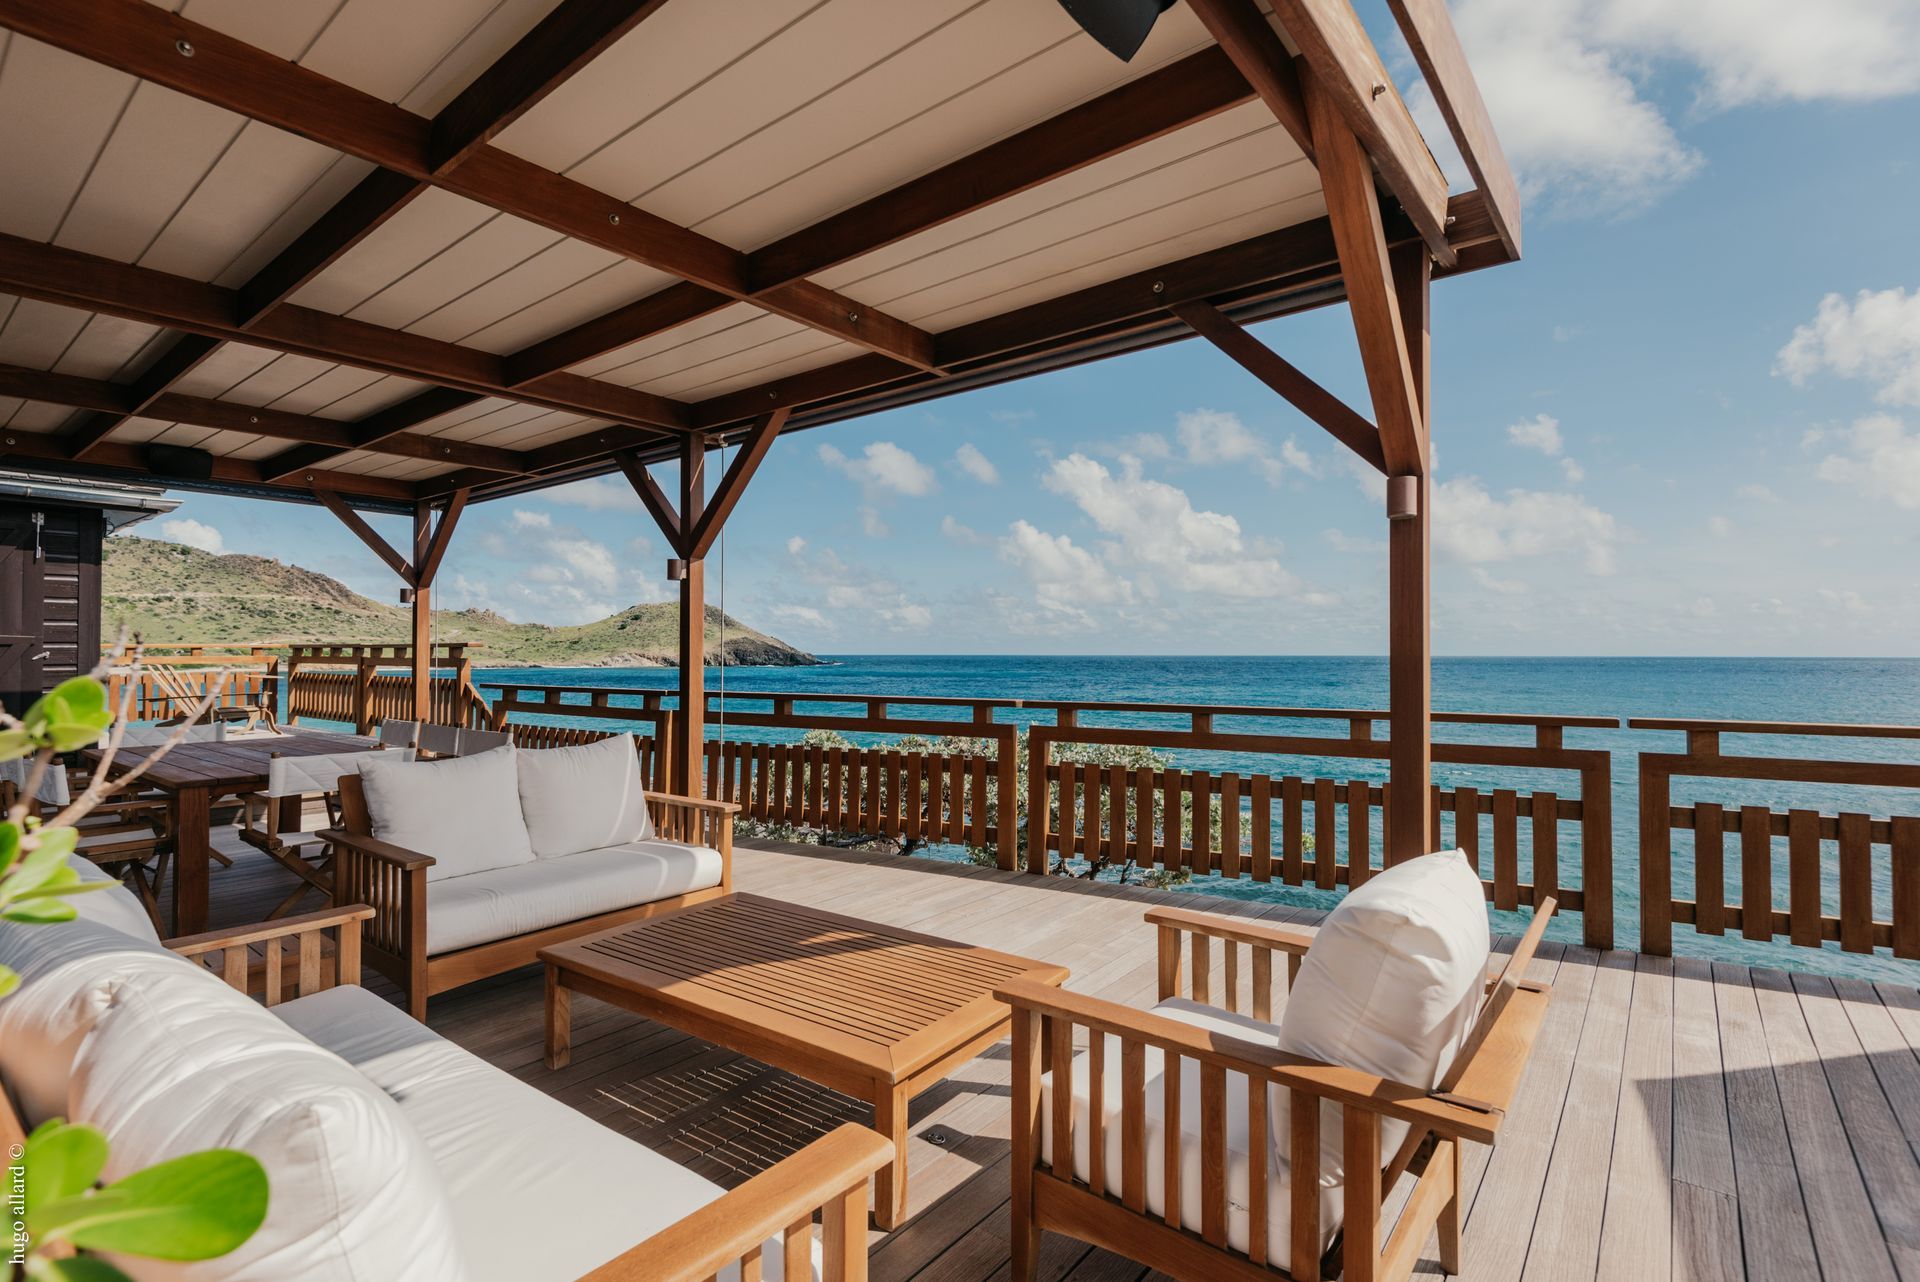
{"points": [[231, 763], [877, 998]]}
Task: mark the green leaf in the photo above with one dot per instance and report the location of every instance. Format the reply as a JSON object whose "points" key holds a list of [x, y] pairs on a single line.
{"points": [[62, 1160], [191, 1208], [47, 857], [71, 716], [64, 883], [9, 980], [77, 1268], [39, 912], [15, 744], [9, 844]]}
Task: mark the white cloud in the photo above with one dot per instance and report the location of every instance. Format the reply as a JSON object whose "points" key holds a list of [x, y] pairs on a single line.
{"points": [[1502, 587], [597, 494], [976, 465], [1065, 576], [1720, 526], [1876, 337], [1156, 526], [884, 466], [1847, 599], [842, 593], [1758, 493], [1211, 438], [1473, 526], [802, 614], [1572, 471], [1881, 460], [525, 520], [872, 525], [533, 568], [1541, 432], [960, 533], [195, 534], [1297, 458]]}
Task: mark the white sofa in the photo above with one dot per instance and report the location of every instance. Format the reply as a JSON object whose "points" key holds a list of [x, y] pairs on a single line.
{"points": [[474, 864], [392, 1154]]}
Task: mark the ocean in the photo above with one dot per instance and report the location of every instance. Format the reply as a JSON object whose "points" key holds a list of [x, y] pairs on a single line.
{"points": [[1868, 691]]}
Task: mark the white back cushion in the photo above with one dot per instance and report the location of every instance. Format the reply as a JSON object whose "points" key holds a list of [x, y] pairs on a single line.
{"points": [[191, 1064], [68, 974], [1391, 984], [114, 906], [465, 811], [304, 776], [586, 797]]}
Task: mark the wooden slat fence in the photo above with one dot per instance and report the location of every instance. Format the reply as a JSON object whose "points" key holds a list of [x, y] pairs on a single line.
{"points": [[157, 698], [512, 704], [1852, 851], [364, 701]]}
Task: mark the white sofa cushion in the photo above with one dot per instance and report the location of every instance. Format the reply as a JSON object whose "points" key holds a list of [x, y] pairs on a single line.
{"points": [[68, 974], [586, 797], [465, 812], [539, 1192], [115, 906], [191, 1064], [1241, 1146], [482, 907], [1393, 980]]}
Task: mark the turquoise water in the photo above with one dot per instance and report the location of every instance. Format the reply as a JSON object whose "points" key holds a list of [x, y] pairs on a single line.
{"points": [[1882, 691]]}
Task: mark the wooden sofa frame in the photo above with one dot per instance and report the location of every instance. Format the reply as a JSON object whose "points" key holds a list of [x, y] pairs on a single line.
{"points": [[394, 881], [1467, 1105], [828, 1178]]}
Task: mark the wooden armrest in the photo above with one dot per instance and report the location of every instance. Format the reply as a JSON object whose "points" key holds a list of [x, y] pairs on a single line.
{"points": [[234, 936], [373, 848], [787, 1193], [694, 803], [1453, 1115], [1238, 929]]}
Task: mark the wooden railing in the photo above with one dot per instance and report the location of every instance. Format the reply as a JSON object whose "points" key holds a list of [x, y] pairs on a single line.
{"points": [[346, 683], [590, 703], [156, 697], [1819, 908]]}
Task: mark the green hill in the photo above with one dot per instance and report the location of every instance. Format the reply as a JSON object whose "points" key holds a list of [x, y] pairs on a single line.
{"points": [[169, 592]]}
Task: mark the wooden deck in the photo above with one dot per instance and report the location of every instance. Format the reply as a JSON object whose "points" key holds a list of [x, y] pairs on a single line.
{"points": [[1679, 1120]]}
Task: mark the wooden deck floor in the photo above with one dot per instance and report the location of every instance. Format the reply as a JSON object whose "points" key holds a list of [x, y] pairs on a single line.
{"points": [[1679, 1120]]}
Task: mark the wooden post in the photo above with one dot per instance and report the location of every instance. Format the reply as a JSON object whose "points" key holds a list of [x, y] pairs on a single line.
{"points": [[690, 745], [422, 666], [363, 669], [1409, 596], [463, 685]]}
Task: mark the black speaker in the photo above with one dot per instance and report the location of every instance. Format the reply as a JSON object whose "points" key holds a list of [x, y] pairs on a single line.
{"points": [[178, 462], [1121, 26]]}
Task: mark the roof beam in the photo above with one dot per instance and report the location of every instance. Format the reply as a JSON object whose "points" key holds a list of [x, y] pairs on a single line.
{"points": [[1345, 424], [1242, 31], [1353, 209], [145, 41], [125, 459], [1436, 48], [699, 540], [371, 432], [656, 313], [1341, 56], [655, 499], [339, 435], [337, 505], [355, 216], [187, 351], [59, 275], [429, 563], [1181, 94]]}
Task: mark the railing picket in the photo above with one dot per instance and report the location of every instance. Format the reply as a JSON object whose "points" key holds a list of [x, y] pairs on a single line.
{"points": [[1170, 1131], [1709, 868], [836, 806], [1906, 885], [1546, 847], [1466, 825], [1230, 825], [1856, 884], [1144, 852], [1067, 837], [1257, 1170], [956, 811], [1756, 872], [1061, 1057], [978, 803], [1117, 814], [1506, 849], [1261, 819], [1096, 1111], [1324, 850], [1292, 836], [1359, 843], [1213, 1153], [1133, 1119], [915, 767], [1200, 789], [1263, 985], [1231, 980], [1803, 877], [1172, 828]]}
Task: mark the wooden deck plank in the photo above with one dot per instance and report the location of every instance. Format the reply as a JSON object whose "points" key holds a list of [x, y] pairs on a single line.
{"points": [[1774, 1089]]}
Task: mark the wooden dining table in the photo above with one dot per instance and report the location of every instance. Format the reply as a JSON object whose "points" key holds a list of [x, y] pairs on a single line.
{"points": [[195, 775]]}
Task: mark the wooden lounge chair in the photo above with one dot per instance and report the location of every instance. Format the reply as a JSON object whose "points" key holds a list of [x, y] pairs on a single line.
{"points": [[1466, 1104]]}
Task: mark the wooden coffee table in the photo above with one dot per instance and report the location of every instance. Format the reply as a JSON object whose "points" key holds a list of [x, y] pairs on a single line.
{"points": [[873, 1012]]}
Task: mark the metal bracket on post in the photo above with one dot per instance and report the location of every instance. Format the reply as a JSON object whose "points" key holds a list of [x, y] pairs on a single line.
{"points": [[676, 570], [1403, 498]]}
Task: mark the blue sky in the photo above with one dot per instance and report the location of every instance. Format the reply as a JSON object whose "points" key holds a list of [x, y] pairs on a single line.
{"points": [[1687, 423]]}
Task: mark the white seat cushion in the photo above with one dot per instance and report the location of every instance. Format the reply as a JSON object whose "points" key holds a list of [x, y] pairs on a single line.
{"points": [[68, 974], [1393, 981], [465, 812], [482, 907], [540, 1193], [583, 798], [189, 1064], [1240, 1145]]}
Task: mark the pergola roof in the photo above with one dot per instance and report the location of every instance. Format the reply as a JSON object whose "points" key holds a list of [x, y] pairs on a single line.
{"points": [[472, 245]]}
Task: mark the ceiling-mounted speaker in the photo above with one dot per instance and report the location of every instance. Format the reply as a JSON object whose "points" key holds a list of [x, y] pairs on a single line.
{"points": [[177, 462], [1121, 26]]}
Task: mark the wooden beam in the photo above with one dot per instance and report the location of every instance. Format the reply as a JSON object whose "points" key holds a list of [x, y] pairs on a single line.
{"points": [[656, 502], [1436, 48], [1353, 210], [123, 459], [337, 505], [1410, 601], [1242, 30], [656, 313], [420, 655], [427, 560], [186, 351], [379, 426], [733, 484], [567, 39], [59, 275], [1339, 53], [145, 41], [355, 216], [1183, 93], [690, 750], [1345, 424], [339, 436]]}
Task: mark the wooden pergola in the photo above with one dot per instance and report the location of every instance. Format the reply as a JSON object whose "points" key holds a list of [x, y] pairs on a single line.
{"points": [[401, 259]]}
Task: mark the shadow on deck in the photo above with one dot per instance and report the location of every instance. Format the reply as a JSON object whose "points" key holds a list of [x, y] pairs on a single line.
{"points": [[1679, 1119]]}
